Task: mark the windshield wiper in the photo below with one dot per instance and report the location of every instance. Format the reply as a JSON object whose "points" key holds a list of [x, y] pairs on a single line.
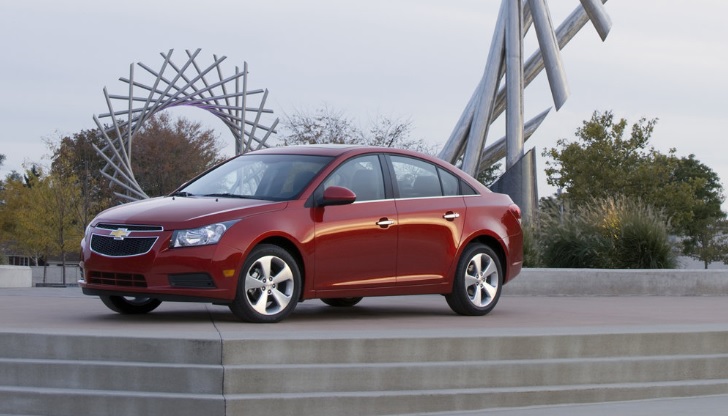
{"points": [[182, 193], [229, 195]]}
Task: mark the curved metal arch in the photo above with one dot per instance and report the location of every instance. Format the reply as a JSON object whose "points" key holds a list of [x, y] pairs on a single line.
{"points": [[228, 98]]}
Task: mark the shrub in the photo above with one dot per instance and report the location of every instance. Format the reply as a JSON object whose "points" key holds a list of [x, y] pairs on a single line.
{"points": [[532, 256], [610, 233], [644, 241]]}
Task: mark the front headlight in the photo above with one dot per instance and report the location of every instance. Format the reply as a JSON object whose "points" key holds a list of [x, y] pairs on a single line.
{"points": [[209, 234]]}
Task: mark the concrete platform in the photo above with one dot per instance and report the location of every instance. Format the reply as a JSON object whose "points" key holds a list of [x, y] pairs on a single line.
{"points": [[67, 311], [411, 332]]}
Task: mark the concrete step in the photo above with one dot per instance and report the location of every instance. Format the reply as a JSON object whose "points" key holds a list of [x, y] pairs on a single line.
{"points": [[67, 402], [474, 374], [111, 348], [113, 376], [53, 374], [431, 401], [482, 348]]}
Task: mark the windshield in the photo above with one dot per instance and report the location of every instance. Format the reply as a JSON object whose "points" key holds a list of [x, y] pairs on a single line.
{"points": [[268, 177]]}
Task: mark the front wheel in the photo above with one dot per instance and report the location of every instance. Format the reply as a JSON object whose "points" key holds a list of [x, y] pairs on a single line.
{"points": [[269, 286], [129, 305], [478, 282]]}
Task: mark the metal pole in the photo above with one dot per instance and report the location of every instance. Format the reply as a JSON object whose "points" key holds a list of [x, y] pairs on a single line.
{"points": [[549, 47], [514, 85], [484, 106], [598, 16]]}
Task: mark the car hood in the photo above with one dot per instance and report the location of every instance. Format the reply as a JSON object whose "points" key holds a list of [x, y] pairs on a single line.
{"points": [[185, 212]]}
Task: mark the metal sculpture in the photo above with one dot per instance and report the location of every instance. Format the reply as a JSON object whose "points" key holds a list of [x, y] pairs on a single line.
{"points": [[465, 147], [227, 98]]}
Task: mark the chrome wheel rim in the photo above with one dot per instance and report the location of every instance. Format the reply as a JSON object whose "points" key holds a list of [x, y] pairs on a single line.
{"points": [[269, 285], [481, 280]]}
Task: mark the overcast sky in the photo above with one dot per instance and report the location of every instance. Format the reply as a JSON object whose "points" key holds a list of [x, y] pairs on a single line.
{"points": [[410, 59]]}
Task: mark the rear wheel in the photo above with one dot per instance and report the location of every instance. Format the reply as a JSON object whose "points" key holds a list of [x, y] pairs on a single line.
{"points": [[341, 302], [478, 281], [130, 305], [269, 286]]}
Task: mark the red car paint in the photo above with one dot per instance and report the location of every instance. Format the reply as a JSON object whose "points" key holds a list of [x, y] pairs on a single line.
{"points": [[393, 244]]}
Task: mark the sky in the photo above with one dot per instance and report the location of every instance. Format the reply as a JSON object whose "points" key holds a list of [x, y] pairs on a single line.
{"points": [[416, 60]]}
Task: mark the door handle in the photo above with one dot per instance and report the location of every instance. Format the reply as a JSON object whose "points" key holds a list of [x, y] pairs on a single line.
{"points": [[385, 222], [451, 215]]}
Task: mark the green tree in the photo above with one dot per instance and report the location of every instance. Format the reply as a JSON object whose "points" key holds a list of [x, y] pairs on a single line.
{"points": [[57, 211], [40, 215], [706, 237], [604, 162], [16, 197], [74, 156], [707, 194], [709, 244], [2, 183], [167, 152], [2, 186]]}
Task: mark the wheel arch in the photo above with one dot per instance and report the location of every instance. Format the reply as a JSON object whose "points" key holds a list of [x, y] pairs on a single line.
{"points": [[291, 248], [497, 246]]}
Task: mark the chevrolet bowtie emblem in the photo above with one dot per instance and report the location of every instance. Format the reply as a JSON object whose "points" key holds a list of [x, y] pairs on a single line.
{"points": [[120, 233]]}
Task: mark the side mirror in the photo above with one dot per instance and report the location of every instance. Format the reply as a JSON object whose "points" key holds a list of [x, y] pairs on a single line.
{"points": [[337, 195]]}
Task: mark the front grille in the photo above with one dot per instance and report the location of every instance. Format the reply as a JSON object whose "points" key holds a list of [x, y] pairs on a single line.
{"points": [[129, 246], [116, 279], [129, 227]]}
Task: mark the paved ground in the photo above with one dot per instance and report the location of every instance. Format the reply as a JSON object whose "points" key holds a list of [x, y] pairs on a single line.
{"points": [[67, 311]]}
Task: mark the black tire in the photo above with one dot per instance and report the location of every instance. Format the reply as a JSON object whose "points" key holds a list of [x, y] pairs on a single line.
{"points": [[129, 305], [341, 302], [478, 282], [262, 298]]}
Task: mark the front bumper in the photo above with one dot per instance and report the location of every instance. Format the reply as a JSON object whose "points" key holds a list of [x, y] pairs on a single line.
{"points": [[205, 273]]}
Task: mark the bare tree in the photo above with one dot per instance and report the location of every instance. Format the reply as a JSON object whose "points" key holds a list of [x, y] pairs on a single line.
{"points": [[326, 125]]}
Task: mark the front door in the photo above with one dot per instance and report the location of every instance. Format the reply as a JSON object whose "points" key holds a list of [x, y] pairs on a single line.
{"points": [[356, 244]]}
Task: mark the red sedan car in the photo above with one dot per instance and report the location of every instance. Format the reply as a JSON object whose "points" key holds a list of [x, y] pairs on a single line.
{"points": [[268, 229]]}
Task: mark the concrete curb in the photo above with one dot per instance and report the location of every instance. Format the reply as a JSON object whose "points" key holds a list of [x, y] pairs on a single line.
{"points": [[603, 282]]}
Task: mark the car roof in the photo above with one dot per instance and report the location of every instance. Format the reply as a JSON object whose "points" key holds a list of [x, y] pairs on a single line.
{"points": [[336, 150], [312, 149]]}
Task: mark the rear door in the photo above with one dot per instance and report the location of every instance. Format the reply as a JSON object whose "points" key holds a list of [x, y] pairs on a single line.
{"points": [[431, 215]]}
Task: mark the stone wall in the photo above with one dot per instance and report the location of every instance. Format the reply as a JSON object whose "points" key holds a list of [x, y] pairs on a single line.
{"points": [[54, 275], [15, 276]]}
